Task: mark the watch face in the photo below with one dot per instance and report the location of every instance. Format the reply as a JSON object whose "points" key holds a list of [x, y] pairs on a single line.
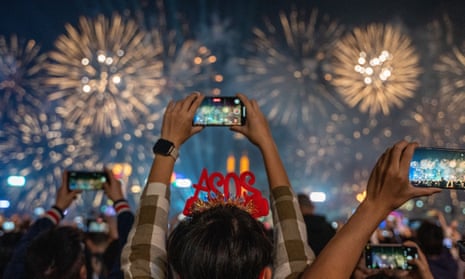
{"points": [[162, 147]]}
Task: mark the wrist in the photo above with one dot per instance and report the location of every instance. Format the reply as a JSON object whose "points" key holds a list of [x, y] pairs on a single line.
{"points": [[116, 201], [375, 210], [121, 205], [55, 214], [166, 147], [59, 207]]}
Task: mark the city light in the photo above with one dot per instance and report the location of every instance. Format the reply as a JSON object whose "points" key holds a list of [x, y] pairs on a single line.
{"points": [[317, 196], [183, 183], [16, 181], [4, 203]]}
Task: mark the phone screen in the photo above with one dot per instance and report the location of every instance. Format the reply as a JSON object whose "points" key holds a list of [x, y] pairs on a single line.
{"points": [[97, 226], [86, 180], [387, 256], [220, 111], [438, 167], [8, 226]]}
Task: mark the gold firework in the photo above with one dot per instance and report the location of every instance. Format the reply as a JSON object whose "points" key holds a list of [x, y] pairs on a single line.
{"points": [[376, 68], [288, 66], [105, 73], [19, 62], [187, 65], [451, 70]]}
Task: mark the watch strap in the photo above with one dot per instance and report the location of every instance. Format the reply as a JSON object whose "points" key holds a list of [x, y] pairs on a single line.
{"points": [[174, 153]]}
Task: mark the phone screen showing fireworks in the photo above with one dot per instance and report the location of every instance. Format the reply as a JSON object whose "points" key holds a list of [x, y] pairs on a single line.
{"points": [[389, 256], [220, 111], [438, 168], [86, 180]]}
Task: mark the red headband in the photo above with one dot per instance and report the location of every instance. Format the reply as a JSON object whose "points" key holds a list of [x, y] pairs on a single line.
{"points": [[243, 195]]}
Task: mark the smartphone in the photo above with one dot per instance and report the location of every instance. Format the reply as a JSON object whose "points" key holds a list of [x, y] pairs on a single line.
{"points": [[389, 256], [86, 180], [220, 111], [97, 226], [438, 167]]}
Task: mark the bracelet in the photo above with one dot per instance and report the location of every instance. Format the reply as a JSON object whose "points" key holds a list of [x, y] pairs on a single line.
{"points": [[62, 214], [121, 206], [118, 201]]}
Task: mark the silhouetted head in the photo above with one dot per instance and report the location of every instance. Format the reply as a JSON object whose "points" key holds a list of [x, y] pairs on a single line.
{"points": [[56, 254], [430, 238], [223, 242], [306, 205]]}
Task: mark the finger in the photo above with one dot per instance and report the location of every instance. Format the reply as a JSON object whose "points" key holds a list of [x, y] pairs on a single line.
{"points": [[396, 154], [407, 158], [239, 129], [376, 174], [170, 106], [197, 129], [64, 179], [244, 100], [196, 102], [186, 104], [109, 174], [75, 193], [254, 104], [419, 191]]}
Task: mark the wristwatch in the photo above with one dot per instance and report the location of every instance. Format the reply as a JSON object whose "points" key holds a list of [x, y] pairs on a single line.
{"points": [[165, 148]]}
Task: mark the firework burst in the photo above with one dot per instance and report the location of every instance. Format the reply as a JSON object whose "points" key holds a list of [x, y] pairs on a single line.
{"points": [[315, 156], [187, 63], [38, 146], [286, 69], [104, 73], [451, 70], [132, 148], [433, 122], [375, 68], [18, 74]]}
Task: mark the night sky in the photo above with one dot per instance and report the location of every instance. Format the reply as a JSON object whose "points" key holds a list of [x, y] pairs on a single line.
{"points": [[44, 21]]}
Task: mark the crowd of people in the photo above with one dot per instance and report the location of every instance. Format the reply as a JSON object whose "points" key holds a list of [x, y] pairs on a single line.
{"points": [[224, 240]]}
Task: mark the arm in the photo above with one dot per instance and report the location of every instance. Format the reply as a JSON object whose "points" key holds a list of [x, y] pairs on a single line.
{"points": [[144, 255], [292, 253], [291, 249], [52, 217], [388, 188], [124, 220]]}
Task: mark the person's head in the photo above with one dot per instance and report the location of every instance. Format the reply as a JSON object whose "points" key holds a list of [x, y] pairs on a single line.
{"points": [[306, 205], [430, 238], [57, 253], [8, 242], [222, 242]]}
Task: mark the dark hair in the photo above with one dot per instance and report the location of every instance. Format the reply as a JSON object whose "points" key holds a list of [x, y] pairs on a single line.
{"points": [[223, 242], [56, 254], [430, 238], [8, 243], [304, 200]]}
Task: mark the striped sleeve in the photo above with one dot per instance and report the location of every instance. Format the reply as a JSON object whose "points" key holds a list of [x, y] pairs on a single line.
{"points": [[292, 253], [144, 255]]}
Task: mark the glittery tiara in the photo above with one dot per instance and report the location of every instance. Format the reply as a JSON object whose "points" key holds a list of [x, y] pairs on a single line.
{"points": [[243, 196]]}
